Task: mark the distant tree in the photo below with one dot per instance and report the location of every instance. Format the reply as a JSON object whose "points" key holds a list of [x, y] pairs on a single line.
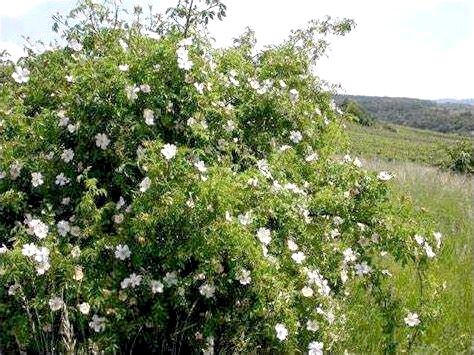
{"points": [[424, 114], [352, 108], [460, 157]]}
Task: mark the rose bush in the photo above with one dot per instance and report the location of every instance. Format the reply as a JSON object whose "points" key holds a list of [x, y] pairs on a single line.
{"points": [[159, 194]]}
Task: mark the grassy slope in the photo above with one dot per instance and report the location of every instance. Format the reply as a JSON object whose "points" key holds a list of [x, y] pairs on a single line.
{"points": [[446, 198], [400, 143]]}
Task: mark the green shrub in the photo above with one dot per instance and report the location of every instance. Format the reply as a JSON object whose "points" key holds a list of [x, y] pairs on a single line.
{"points": [[460, 157], [160, 195], [356, 112]]}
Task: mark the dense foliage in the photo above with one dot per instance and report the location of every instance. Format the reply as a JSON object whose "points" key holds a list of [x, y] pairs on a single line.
{"points": [[425, 114], [359, 115], [460, 157], [160, 195]]}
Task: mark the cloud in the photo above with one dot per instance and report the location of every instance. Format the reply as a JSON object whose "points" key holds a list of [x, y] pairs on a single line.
{"points": [[17, 8], [419, 48], [15, 50], [393, 51]]}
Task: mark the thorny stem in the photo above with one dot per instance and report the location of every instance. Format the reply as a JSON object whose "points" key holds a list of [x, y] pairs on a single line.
{"points": [[421, 291], [30, 317], [135, 339], [188, 18], [185, 326]]}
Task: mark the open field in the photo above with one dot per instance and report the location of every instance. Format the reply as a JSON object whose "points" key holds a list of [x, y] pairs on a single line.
{"points": [[447, 199], [394, 142]]}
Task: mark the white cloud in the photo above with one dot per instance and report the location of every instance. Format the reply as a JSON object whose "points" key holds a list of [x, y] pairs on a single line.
{"points": [[386, 54], [15, 50], [16, 8], [382, 56]]}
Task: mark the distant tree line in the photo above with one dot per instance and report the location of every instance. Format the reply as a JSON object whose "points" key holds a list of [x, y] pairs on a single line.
{"points": [[424, 114]]}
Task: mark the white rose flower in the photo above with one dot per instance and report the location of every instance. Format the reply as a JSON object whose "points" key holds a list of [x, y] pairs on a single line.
{"points": [[315, 348], [145, 184], [429, 251], [281, 331], [245, 219], [61, 180], [132, 281], [230, 126], [132, 92], [412, 319], [312, 325], [15, 170], [37, 179], [84, 308], [21, 75], [120, 203], [149, 117], [294, 95], [362, 268], [292, 245], [183, 59], [254, 84], [349, 255], [264, 235], [122, 252], [244, 276], [438, 236], [145, 88], [29, 249], [199, 87], [156, 286], [357, 162], [75, 45], [124, 67], [169, 151], [67, 155], [307, 291], [56, 303], [296, 136], [76, 252], [102, 141], [118, 218], [384, 176], [97, 323], [78, 273], [42, 255], [311, 157], [63, 228], [38, 228], [298, 257], [13, 289], [171, 278], [207, 290], [200, 166], [72, 128], [419, 239]]}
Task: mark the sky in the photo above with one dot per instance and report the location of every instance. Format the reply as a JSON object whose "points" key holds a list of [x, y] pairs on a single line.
{"points": [[404, 48]]}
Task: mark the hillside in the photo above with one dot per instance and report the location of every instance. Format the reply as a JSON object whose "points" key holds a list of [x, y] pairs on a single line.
{"points": [[425, 114], [394, 142], [456, 101], [441, 195]]}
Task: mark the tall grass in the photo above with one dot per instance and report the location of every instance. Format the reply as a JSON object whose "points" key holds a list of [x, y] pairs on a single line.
{"points": [[447, 198]]}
